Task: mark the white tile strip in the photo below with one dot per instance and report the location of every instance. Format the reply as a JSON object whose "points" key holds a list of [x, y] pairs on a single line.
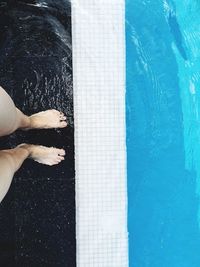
{"points": [[99, 106]]}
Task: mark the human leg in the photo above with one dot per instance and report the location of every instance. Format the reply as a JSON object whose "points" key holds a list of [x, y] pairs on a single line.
{"points": [[12, 159], [11, 118]]}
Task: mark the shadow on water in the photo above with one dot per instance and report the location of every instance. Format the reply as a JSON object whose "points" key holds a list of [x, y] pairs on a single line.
{"points": [[175, 28], [163, 206], [37, 217]]}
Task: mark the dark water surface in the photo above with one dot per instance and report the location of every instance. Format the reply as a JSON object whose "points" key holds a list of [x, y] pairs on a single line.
{"points": [[37, 217]]}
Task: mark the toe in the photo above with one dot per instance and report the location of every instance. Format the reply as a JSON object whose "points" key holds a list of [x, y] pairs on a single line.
{"points": [[63, 124], [61, 152], [62, 118], [61, 158]]}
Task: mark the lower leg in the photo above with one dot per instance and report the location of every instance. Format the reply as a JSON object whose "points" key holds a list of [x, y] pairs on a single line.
{"points": [[11, 118], [22, 120], [12, 159]]}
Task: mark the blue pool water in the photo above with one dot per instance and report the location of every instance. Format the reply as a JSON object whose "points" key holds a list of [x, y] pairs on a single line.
{"points": [[163, 132]]}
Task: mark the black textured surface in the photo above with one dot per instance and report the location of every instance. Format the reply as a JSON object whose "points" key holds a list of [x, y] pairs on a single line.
{"points": [[37, 216]]}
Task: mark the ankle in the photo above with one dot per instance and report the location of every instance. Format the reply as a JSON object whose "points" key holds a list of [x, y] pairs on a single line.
{"points": [[26, 147], [23, 121], [26, 123]]}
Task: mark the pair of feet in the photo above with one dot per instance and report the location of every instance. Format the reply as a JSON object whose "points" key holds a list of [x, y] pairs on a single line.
{"points": [[46, 120]]}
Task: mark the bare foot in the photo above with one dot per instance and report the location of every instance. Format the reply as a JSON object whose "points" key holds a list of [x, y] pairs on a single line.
{"points": [[45, 155], [47, 119]]}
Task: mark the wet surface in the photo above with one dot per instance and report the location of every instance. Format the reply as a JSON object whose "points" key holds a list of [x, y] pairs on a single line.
{"points": [[37, 217]]}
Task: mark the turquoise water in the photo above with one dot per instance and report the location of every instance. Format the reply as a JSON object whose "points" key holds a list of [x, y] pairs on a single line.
{"points": [[163, 132]]}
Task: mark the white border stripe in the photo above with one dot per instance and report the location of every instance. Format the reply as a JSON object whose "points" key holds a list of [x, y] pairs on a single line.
{"points": [[99, 105]]}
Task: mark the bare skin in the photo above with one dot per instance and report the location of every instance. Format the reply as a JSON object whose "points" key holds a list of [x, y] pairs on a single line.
{"points": [[45, 155], [12, 159], [47, 119], [42, 120]]}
